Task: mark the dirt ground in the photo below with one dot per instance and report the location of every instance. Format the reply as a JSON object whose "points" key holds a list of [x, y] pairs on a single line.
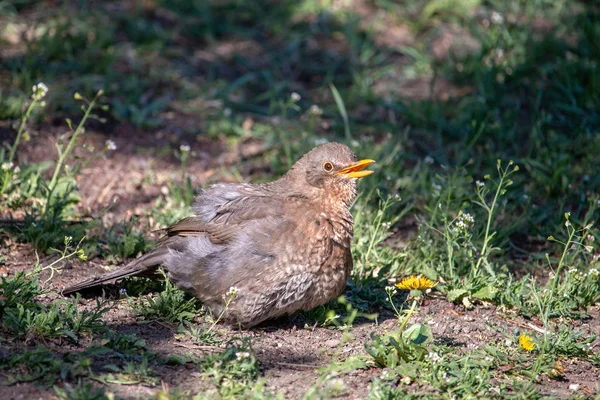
{"points": [[288, 352]]}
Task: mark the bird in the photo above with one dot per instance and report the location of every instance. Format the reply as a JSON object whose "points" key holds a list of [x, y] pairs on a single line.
{"points": [[257, 252]]}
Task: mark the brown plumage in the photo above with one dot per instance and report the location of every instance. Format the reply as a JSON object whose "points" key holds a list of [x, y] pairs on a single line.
{"points": [[284, 245]]}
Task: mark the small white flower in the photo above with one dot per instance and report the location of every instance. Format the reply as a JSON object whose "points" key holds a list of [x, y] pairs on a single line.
{"points": [[39, 91], [593, 271], [590, 238], [467, 217], [123, 292], [479, 183], [17, 170], [567, 223], [391, 289], [429, 160], [315, 110], [232, 291], [184, 148], [354, 143], [572, 271], [110, 145], [497, 18], [295, 97], [433, 356], [7, 166], [242, 355]]}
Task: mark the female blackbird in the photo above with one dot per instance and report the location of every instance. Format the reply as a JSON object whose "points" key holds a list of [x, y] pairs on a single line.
{"points": [[280, 247]]}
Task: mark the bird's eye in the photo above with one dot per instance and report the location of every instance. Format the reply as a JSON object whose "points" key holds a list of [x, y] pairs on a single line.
{"points": [[328, 167]]}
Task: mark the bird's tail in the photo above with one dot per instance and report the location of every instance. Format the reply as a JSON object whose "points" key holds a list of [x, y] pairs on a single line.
{"points": [[145, 265]]}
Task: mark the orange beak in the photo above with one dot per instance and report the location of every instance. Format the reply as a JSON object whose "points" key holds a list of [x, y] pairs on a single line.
{"points": [[355, 170]]}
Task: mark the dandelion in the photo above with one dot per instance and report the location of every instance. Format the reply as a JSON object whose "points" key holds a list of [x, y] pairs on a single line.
{"points": [[295, 97], [110, 145], [39, 91], [415, 283], [526, 342], [184, 148], [315, 110]]}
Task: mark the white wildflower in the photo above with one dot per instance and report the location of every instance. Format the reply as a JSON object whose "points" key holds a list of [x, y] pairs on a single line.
{"points": [[593, 271], [572, 271], [295, 97], [429, 160], [590, 238], [315, 110], [232, 291], [184, 148], [433, 356], [110, 145], [39, 91], [7, 166], [242, 355], [391, 289], [479, 183], [497, 18], [467, 217]]}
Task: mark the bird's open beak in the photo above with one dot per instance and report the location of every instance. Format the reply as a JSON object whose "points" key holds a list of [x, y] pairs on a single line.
{"points": [[355, 170]]}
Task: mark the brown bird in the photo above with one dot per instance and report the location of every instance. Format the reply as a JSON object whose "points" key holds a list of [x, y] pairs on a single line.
{"points": [[281, 246]]}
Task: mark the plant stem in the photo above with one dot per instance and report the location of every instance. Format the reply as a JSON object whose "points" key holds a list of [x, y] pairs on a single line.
{"points": [[63, 155], [408, 314], [490, 211], [13, 148]]}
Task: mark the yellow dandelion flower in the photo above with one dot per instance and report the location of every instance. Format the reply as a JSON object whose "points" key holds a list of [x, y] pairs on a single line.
{"points": [[526, 342], [415, 283]]}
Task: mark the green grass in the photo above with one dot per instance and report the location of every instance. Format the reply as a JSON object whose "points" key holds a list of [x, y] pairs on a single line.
{"points": [[492, 193]]}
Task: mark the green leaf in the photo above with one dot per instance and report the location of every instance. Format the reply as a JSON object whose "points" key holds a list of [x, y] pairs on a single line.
{"points": [[418, 334], [342, 109], [456, 294], [486, 293]]}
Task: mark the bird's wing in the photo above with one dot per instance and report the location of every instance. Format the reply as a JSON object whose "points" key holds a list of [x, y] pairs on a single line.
{"points": [[224, 211]]}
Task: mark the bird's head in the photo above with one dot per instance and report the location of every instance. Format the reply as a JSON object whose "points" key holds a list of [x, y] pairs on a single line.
{"points": [[329, 171]]}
